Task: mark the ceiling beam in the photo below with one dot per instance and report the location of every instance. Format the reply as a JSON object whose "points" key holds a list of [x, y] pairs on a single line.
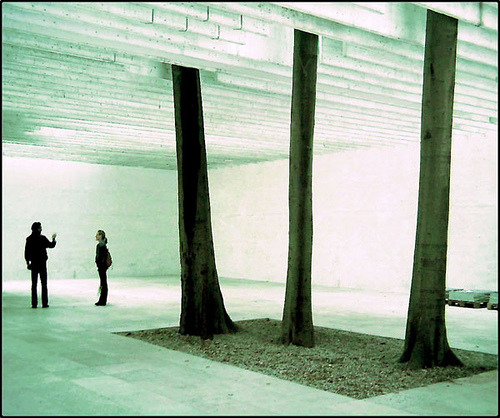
{"points": [[407, 28], [167, 36]]}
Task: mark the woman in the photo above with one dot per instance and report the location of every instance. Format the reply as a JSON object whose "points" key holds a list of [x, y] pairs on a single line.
{"points": [[101, 253]]}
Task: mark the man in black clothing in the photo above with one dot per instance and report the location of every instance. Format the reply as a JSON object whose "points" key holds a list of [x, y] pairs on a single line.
{"points": [[35, 254]]}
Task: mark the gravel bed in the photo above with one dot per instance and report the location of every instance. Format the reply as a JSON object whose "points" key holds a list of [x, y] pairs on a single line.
{"points": [[347, 363]]}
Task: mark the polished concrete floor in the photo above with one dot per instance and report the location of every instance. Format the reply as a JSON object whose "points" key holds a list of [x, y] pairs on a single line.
{"points": [[65, 360]]}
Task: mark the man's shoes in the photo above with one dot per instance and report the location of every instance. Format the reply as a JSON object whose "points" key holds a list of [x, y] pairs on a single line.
{"points": [[99, 304], [45, 306], [33, 306]]}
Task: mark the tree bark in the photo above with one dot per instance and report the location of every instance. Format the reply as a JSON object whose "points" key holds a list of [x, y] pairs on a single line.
{"points": [[297, 324], [202, 307], [426, 343]]}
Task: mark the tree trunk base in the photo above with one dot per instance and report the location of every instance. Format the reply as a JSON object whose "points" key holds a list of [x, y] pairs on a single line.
{"points": [[302, 338], [418, 360], [226, 329]]}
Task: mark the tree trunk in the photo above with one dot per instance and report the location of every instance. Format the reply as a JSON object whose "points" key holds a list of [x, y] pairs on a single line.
{"points": [[426, 343], [297, 324], [202, 307]]}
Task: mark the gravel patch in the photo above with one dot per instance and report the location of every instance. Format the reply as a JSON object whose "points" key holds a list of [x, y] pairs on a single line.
{"points": [[347, 363]]}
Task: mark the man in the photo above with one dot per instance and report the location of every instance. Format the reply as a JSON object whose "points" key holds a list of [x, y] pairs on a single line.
{"points": [[35, 254]]}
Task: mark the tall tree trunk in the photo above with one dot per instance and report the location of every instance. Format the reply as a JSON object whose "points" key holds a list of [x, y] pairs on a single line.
{"points": [[426, 343], [202, 306], [297, 325]]}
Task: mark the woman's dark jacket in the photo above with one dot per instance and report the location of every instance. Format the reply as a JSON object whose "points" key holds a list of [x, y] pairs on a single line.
{"points": [[35, 250], [101, 254]]}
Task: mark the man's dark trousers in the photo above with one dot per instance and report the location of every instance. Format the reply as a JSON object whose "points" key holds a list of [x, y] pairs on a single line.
{"points": [[36, 269]]}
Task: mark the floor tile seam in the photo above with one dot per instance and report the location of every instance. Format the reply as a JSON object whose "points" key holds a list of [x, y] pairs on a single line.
{"points": [[271, 390], [236, 366], [51, 394], [215, 365], [246, 394], [130, 396], [283, 405], [158, 352], [94, 345]]}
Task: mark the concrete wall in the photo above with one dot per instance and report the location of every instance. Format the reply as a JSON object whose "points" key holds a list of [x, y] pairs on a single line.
{"points": [[364, 203], [136, 207], [365, 211]]}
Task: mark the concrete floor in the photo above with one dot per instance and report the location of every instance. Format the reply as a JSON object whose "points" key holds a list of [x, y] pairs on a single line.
{"points": [[65, 360]]}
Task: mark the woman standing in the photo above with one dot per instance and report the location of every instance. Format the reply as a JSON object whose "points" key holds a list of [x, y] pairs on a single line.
{"points": [[101, 254]]}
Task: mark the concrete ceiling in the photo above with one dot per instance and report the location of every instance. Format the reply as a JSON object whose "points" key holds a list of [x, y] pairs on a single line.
{"points": [[92, 81]]}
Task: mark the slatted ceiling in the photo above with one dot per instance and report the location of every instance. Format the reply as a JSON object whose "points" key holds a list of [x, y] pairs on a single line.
{"points": [[489, 104], [104, 25], [477, 53], [92, 81], [361, 91]]}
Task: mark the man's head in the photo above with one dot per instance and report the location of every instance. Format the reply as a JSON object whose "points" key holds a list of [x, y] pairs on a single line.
{"points": [[36, 227]]}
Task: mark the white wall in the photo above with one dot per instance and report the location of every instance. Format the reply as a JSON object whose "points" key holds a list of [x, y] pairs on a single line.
{"points": [[136, 207], [364, 212], [365, 207], [473, 231], [249, 206]]}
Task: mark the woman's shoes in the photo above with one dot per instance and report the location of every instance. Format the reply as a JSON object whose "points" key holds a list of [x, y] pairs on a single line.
{"points": [[100, 304]]}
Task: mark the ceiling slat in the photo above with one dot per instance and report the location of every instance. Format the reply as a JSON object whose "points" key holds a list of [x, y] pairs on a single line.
{"points": [[92, 81]]}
